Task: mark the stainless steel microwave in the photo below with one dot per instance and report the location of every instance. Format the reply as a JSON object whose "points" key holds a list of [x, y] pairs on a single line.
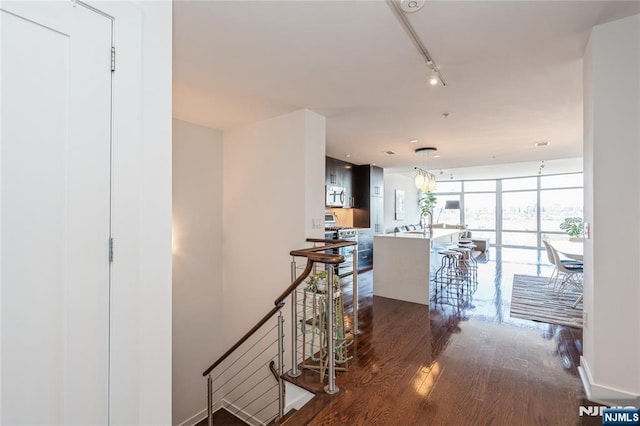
{"points": [[335, 196]]}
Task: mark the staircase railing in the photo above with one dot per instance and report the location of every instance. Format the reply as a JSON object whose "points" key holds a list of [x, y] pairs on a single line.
{"points": [[235, 380], [244, 373], [298, 317]]}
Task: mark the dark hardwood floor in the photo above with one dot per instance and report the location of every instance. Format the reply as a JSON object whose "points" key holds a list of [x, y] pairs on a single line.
{"points": [[455, 362]]}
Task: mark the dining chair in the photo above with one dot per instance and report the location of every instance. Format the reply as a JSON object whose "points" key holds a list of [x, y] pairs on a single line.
{"points": [[552, 255], [571, 273], [552, 260]]}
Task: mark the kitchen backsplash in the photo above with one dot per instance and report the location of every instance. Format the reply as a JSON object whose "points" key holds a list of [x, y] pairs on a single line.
{"points": [[344, 217]]}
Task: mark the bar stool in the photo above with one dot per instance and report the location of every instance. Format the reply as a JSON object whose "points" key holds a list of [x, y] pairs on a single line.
{"points": [[473, 263], [449, 272], [467, 265]]}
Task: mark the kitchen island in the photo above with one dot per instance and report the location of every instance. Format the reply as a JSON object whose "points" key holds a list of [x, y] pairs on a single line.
{"points": [[403, 262]]}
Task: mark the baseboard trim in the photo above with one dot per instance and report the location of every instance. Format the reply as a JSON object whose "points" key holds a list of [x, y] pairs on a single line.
{"points": [[195, 419], [241, 414], [200, 415], [602, 394]]}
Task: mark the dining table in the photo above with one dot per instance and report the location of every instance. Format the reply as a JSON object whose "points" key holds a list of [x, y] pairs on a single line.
{"points": [[571, 249]]}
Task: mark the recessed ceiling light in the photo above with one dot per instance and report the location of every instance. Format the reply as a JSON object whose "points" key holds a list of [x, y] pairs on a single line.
{"points": [[542, 144], [348, 155], [390, 152], [414, 141], [436, 156]]}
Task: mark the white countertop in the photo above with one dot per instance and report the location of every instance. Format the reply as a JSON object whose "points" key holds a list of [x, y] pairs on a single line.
{"points": [[435, 234], [403, 261]]}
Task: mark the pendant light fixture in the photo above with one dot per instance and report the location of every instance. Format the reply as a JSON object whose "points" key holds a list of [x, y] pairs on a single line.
{"points": [[425, 181]]}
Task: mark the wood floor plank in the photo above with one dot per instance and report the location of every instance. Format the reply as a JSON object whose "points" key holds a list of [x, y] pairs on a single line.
{"points": [[455, 362]]}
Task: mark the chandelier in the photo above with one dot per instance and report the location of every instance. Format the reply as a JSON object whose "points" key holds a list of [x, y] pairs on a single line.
{"points": [[425, 181]]}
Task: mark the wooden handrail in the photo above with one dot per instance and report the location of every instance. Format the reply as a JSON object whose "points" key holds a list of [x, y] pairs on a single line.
{"points": [[274, 372], [321, 240], [324, 257], [244, 338], [330, 243], [313, 255]]}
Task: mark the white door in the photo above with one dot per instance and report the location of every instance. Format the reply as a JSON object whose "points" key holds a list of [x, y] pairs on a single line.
{"points": [[54, 213]]}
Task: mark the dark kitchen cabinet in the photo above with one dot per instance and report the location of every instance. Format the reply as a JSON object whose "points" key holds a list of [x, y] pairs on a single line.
{"points": [[377, 182], [369, 189], [340, 173], [377, 215], [331, 171], [365, 249]]}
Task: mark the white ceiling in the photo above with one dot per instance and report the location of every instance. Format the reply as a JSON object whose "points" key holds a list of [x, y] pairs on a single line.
{"points": [[513, 71]]}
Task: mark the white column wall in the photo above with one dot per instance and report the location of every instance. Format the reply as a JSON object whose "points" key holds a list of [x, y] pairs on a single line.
{"points": [[198, 327], [273, 186], [315, 151], [155, 216], [611, 362], [393, 181]]}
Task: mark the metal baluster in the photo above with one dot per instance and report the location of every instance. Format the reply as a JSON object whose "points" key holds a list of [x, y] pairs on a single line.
{"points": [[355, 291], [295, 371], [331, 388], [280, 365], [209, 401]]}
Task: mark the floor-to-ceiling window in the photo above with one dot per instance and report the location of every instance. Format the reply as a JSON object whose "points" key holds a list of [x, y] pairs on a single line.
{"points": [[480, 208], [520, 212], [561, 196], [448, 191], [513, 212]]}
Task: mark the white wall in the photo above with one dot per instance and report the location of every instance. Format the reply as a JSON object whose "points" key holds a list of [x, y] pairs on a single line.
{"points": [[314, 157], [393, 181], [141, 213], [610, 365], [198, 327], [155, 216], [273, 173]]}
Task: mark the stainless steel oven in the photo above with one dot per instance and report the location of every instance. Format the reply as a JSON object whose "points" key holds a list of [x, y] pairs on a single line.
{"points": [[348, 234]]}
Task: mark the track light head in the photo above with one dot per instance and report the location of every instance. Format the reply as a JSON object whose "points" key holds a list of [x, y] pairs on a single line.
{"points": [[435, 78]]}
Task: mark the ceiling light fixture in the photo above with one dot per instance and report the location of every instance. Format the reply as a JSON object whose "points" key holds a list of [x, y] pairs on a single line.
{"points": [[413, 141], [542, 144], [435, 78], [425, 181], [396, 8]]}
